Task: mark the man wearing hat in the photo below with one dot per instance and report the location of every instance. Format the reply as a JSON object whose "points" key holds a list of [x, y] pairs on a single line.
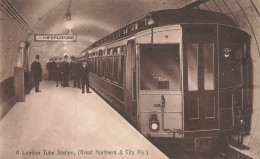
{"points": [[84, 76], [57, 72], [50, 68], [36, 69], [65, 71], [73, 70]]}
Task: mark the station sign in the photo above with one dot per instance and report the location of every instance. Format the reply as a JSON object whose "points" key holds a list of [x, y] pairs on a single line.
{"points": [[55, 38]]}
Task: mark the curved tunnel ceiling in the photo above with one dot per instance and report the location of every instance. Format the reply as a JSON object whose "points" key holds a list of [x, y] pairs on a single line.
{"points": [[245, 13], [93, 19]]}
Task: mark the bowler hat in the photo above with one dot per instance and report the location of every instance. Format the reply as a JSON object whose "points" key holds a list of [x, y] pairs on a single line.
{"points": [[37, 56]]}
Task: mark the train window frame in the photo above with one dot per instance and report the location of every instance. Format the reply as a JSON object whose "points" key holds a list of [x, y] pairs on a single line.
{"points": [[123, 49], [150, 20], [115, 75], [190, 88], [114, 51], [178, 83], [131, 28], [113, 36], [208, 83], [111, 67], [121, 73], [136, 25], [142, 22], [100, 51], [108, 52]]}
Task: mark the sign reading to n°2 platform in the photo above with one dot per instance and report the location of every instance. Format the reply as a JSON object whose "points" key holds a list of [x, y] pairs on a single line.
{"points": [[55, 38]]}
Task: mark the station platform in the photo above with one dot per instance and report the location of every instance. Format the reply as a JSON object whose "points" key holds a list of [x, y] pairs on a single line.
{"points": [[64, 123]]}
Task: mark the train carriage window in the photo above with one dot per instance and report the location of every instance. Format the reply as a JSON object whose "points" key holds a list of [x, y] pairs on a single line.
{"points": [[105, 67], [109, 52], [192, 53], [150, 20], [123, 49], [142, 23], [111, 66], [100, 66], [115, 69], [90, 64], [160, 67], [93, 65], [114, 51], [208, 66], [124, 31], [131, 28], [121, 73], [96, 65]]}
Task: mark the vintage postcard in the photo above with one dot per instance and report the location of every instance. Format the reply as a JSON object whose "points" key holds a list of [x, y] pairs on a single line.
{"points": [[129, 79]]}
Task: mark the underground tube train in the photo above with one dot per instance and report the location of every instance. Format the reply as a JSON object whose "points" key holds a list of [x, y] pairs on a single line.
{"points": [[177, 74]]}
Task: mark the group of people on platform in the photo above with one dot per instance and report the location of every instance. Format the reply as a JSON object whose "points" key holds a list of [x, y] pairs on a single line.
{"points": [[63, 71]]}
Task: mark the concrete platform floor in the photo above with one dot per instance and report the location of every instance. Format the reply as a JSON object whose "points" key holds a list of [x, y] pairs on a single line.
{"points": [[62, 120]]}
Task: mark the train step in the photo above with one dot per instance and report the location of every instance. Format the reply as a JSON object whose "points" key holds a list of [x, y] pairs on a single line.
{"points": [[237, 144]]}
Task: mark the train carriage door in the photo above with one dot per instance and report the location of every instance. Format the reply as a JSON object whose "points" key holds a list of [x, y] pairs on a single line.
{"points": [[130, 93], [200, 78], [160, 97]]}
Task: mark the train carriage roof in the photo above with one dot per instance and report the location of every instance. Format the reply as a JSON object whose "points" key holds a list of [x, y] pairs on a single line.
{"points": [[180, 16], [177, 16]]}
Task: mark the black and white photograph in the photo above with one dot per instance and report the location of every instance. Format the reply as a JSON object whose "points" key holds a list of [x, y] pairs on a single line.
{"points": [[129, 79]]}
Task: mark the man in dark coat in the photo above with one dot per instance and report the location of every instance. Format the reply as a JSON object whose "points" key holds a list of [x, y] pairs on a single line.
{"points": [[36, 69], [50, 68], [65, 71], [73, 69], [57, 72], [54, 60], [84, 76], [77, 74]]}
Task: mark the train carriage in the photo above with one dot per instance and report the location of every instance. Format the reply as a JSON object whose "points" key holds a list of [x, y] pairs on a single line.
{"points": [[179, 74]]}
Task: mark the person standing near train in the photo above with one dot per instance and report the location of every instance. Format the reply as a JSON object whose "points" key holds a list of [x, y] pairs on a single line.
{"points": [[49, 67], [65, 71], [53, 66], [84, 76], [77, 75], [57, 72], [73, 69], [36, 69]]}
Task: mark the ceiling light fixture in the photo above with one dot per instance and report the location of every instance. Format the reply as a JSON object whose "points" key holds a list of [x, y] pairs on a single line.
{"points": [[68, 24]]}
